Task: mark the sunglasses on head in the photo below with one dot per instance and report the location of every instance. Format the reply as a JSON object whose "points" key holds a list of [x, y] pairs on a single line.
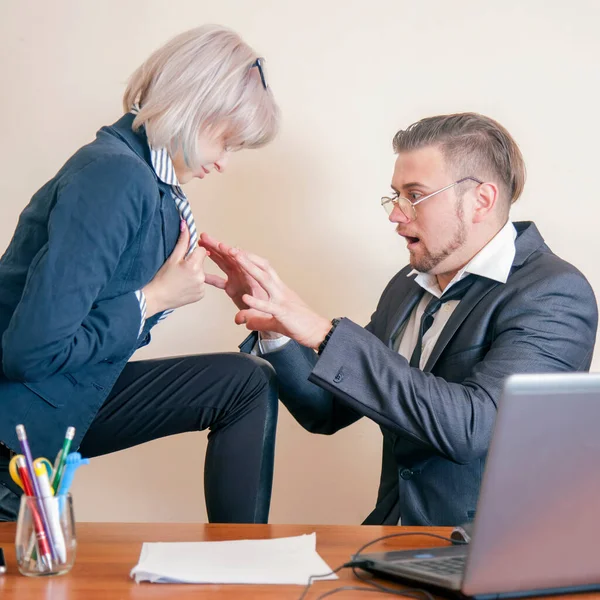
{"points": [[259, 63]]}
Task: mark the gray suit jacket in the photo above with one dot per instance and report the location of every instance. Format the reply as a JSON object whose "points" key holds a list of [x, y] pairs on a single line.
{"points": [[437, 423]]}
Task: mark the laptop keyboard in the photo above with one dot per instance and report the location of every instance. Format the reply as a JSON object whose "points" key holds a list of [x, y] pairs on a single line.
{"points": [[452, 565]]}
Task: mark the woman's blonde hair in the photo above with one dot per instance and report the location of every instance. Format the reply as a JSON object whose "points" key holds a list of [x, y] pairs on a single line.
{"points": [[202, 78]]}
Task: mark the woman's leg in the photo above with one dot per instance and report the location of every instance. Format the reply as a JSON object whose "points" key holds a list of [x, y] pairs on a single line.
{"points": [[233, 395]]}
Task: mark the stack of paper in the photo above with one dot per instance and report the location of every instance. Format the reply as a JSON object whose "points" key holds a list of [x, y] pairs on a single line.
{"points": [[283, 561]]}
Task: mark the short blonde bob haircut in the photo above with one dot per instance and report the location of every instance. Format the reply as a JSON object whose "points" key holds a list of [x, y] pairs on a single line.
{"points": [[202, 79]]}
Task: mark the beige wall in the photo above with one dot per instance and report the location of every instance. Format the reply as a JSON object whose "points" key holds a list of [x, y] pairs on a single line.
{"points": [[347, 74]]}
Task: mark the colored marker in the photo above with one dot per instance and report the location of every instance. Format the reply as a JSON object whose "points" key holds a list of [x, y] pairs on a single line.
{"points": [[51, 506]]}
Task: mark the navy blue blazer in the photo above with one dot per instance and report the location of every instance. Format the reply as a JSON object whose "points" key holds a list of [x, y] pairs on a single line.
{"points": [[437, 423], [69, 317]]}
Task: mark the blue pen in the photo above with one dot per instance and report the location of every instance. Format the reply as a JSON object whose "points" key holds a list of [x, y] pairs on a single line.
{"points": [[74, 461]]}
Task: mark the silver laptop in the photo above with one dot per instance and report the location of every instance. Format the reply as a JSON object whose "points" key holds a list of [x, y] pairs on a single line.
{"points": [[537, 526]]}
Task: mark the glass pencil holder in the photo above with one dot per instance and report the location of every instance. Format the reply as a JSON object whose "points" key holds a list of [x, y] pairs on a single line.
{"points": [[45, 542]]}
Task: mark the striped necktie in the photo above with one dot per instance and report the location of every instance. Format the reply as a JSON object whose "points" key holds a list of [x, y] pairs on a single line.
{"points": [[185, 211]]}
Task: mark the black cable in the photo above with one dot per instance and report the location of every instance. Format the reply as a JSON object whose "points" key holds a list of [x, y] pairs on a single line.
{"points": [[416, 593], [313, 577], [346, 588]]}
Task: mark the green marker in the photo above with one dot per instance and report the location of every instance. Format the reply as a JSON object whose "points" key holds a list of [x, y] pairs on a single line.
{"points": [[61, 459]]}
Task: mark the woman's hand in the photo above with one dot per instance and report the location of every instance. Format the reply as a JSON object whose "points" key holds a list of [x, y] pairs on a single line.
{"points": [[180, 280]]}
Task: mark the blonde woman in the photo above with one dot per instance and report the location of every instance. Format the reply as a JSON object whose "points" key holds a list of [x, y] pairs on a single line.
{"points": [[105, 250]]}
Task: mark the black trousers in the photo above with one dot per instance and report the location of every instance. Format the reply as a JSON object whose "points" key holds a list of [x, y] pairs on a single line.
{"points": [[232, 395]]}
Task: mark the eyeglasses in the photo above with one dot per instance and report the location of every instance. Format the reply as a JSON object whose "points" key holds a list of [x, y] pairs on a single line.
{"points": [[408, 207], [259, 63]]}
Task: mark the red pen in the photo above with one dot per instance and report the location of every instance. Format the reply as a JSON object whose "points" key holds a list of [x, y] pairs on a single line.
{"points": [[40, 534]]}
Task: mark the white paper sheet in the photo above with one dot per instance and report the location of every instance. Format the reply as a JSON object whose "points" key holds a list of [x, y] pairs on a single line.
{"points": [[289, 560]]}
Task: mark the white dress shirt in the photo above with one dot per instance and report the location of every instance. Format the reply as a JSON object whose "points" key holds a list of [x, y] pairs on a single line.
{"points": [[493, 261]]}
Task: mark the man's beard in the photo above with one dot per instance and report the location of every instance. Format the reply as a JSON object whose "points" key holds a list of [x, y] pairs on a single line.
{"points": [[428, 261]]}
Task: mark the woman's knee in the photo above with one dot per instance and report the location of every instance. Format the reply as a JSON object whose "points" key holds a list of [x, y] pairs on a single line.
{"points": [[261, 376], [253, 391], [252, 372], [262, 367]]}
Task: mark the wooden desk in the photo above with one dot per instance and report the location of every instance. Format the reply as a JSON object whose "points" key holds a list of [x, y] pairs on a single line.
{"points": [[107, 551]]}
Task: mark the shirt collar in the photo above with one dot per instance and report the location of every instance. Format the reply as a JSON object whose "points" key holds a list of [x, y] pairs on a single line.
{"points": [[493, 261], [163, 166], [161, 161]]}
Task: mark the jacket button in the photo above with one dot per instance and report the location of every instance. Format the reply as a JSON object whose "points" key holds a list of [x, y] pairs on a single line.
{"points": [[406, 473], [338, 377]]}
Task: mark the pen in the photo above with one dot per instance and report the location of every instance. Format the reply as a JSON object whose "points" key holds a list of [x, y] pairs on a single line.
{"points": [[61, 458], [74, 461], [38, 526], [51, 506], [22, 437]]}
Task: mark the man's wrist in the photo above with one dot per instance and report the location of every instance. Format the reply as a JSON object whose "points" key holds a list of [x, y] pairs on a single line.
{"points": [[326, 329]]}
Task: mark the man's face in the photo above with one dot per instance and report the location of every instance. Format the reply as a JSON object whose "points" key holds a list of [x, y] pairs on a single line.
{"points": [[440, 231]]}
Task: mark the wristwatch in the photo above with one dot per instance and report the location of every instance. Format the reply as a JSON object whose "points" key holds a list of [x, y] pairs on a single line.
{"points": [[334, 324]]}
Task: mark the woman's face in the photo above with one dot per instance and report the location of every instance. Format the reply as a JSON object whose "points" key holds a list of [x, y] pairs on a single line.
{"points": [[213, 155]]}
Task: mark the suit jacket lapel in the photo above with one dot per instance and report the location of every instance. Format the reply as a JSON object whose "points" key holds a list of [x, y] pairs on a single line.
{"points": [[412, 294], [476, 292], [170, 218], [528, 241]]}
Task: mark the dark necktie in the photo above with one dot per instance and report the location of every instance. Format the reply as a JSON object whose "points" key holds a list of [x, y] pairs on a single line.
{"points": [[456, 292]]}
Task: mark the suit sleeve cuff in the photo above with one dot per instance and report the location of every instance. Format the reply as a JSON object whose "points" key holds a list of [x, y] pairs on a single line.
{"points": [[269, 345]]}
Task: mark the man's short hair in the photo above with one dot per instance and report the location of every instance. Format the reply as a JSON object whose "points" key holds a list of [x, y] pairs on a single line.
{"points": [[473, 145]]}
